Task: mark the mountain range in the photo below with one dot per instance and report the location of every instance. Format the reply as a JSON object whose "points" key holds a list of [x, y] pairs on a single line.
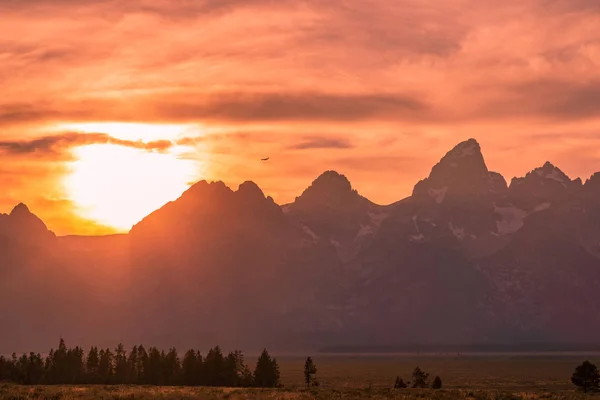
{"points": [[467, 258]]}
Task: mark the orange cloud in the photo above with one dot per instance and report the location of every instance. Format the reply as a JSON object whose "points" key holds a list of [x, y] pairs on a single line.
{"points": [[375, 88], [57, 145]]}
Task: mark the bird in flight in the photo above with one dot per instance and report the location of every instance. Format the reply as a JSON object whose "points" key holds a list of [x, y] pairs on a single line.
{"points": [[264, 159]]}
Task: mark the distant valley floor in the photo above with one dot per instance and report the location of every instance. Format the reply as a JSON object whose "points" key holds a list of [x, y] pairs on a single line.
{"points": [[354, 377]]}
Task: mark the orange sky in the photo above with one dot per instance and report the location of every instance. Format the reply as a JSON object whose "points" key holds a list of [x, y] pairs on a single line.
{"points": [[376, 89]]}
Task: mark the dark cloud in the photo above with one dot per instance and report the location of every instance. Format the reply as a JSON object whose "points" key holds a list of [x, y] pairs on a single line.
{"points": [[241, 107], [556, 100], [569, 5], [181, 9], [22, 112], [56, 145], [322, 143], [543, 99], [223, 107]]}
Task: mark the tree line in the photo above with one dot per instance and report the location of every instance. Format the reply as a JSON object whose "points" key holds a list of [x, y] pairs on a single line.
{"points": [[420, 380], [139, 367]]}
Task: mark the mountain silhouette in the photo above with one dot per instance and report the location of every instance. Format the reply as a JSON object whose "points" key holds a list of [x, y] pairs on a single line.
{"points": [[465, 259]]}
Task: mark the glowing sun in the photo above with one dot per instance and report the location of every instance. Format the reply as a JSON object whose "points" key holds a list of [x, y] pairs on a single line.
{"points": [[118, 186]]}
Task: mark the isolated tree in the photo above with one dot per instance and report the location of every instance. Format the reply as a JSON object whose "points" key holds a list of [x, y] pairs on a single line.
{"points": [[266, 373], [586, 377], [310, 369], [399, 384], [419, 379], [437, 383]]}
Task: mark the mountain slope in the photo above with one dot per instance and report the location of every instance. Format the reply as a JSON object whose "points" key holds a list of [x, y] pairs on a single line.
{"points": [[465, 259]]}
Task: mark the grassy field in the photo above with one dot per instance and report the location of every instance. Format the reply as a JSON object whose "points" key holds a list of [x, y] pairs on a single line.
{"points": [[514, 373], [348, 377]]}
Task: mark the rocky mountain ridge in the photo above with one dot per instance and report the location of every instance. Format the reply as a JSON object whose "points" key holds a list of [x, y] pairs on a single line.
{"points": [[466, 258]]}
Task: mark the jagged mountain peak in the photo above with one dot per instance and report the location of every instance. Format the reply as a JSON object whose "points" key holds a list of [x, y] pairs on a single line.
{"points": [[546, 174], [332, 180], [461, 171], [497, 183], [469, 147], [23, 224], [593, 183], [20, 209], [330, 187], [251, 190], [464, 155], [594, 179], [550, 171]]}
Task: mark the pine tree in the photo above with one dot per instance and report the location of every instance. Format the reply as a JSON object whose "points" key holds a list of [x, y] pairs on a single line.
{"points": [[420, 379], [132, 366], [190, 368], [143, 366], [3, 369], [310, 369], [92, 365], [586, 377], [121, 365], [75, 365], [171, 367], [58, 368], [154, 367], [244, 375], [105, 366], [399, 384], [266, 373], [214, 370]]}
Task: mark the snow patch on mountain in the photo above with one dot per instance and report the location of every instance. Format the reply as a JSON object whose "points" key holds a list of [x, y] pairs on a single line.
{"points": [[310, 233], [466, 149], [438, 194], [378, 217], [458, 232], [511, 219], [414, 218], [417, 238], [541, 207], [556, 176], [365, 230]]}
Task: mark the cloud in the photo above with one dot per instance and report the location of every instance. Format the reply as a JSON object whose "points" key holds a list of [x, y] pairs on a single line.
{"points": [[225, 107], [316, 142], [404, 80], [57, 145], [292, 107], [551, 99]]}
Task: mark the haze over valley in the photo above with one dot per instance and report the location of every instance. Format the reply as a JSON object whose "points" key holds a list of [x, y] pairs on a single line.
{"points": [[468, 258]]}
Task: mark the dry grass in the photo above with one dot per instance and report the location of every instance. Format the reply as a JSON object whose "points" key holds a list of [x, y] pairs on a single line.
{"points": [[474, 373], [171, 393], [348, 378]]}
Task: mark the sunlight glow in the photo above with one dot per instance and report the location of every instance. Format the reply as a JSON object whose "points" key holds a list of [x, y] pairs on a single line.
{"points": [[118, 186]]}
